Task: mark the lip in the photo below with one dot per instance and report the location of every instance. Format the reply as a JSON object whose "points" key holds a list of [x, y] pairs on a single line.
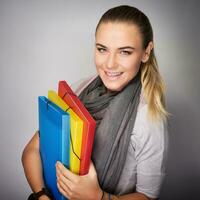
{"points": [[113, 75]]}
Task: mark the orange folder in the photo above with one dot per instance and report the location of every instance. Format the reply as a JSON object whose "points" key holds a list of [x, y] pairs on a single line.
{"points": [[89, 124]]}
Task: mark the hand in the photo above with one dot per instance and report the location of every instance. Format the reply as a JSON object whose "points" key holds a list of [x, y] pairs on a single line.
{"points": [[76, 187]]}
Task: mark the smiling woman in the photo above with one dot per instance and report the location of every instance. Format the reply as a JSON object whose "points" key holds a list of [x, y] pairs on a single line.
{"points": [[119, 53], [126, 98]]}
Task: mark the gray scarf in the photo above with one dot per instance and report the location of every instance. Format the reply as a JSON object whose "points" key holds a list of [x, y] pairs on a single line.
{"points": [[115, 114]]}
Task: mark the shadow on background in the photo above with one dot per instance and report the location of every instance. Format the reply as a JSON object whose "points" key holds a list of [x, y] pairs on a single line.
{"points": [[182, 181]]}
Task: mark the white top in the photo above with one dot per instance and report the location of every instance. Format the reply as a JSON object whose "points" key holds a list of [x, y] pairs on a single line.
{"points": [[145, 163]]}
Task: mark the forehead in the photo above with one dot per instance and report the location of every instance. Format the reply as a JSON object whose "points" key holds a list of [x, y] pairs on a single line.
{"points": [[115, 34]]}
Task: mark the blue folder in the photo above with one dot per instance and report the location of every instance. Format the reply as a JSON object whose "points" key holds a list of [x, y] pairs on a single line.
{"points": [[54, 131]]}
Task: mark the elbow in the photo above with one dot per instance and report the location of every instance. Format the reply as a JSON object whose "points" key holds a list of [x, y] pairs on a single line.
{"points": [[23, 156], [26, 153], [29, 154], [30, 151]]}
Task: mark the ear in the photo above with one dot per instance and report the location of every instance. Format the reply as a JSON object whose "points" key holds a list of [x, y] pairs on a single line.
{"points": [[147, 52]]}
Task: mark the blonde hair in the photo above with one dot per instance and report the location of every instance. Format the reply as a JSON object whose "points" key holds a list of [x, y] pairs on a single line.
{"points": [[154, 89], [152, 84]]}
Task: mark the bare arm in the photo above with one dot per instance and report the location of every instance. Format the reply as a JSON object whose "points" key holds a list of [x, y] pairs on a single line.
{"points": [[31, 162], [131, 196], [87, 187]]}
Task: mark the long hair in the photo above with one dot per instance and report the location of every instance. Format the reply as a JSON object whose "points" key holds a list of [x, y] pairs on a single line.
{"points": [[153, 85]]}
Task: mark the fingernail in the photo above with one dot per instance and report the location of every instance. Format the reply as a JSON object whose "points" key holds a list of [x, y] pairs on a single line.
{"points": [[58, 162]]}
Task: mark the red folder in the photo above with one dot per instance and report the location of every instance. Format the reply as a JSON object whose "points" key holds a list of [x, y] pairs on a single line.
{"points": [[89, 124]]}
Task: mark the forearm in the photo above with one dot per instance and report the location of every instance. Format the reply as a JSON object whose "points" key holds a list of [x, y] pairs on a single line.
{"points": [[33, 169], [132, 196], [33, 166]]}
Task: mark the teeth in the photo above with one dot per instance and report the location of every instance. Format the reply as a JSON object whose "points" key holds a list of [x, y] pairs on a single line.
{"points": [[113, 73]]}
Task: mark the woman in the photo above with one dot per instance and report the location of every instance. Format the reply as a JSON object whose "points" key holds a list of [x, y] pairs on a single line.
{"points": [[126, 98]]}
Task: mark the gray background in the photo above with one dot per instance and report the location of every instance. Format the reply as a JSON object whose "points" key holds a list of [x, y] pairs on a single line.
{"points": [[42, 42]]}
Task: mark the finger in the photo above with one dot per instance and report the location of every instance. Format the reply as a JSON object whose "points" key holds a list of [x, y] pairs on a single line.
{"points": [[62, 191], [92, 169], [64, 186], [67, 173], [63, 179], [69, 194], [91, 166]]}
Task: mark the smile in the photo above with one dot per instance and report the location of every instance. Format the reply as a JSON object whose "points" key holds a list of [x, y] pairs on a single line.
{"points": [[113, 74]]}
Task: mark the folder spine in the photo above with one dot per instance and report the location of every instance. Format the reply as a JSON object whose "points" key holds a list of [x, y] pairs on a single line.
{"points": [[65, 141]]}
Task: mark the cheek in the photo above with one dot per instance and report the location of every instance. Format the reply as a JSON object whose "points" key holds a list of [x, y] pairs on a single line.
{"points": [[98, 61], [132, 64]]}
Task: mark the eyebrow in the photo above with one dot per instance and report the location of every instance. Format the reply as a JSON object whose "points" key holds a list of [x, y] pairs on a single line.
{"points": [[125, 47]]}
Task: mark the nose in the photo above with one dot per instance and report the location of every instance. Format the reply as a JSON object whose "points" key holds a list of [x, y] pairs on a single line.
{"points": [[111, 61]]}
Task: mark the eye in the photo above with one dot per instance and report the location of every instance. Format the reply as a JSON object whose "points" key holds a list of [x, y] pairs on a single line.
{"points": [[101, 50], [126, 52]]}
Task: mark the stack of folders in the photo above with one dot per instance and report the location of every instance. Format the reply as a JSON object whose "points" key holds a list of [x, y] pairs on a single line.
{"points": [[66, 131]]}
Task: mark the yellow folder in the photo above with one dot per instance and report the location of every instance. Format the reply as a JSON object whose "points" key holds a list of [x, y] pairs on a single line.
{"points": [[76, 128]]}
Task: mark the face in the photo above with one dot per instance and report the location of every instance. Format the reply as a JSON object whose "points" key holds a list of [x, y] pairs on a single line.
{"points": [[118, 54]]}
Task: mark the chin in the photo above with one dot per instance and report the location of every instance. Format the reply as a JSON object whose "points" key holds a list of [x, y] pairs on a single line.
{"points": [[113, 86]]}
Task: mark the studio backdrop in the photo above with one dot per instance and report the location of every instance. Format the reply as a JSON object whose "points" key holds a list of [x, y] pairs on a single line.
{"points": [[42, 42]]}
